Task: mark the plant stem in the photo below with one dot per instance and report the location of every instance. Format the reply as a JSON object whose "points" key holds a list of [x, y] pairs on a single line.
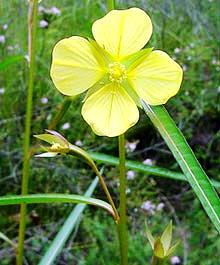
{"points": [[32, 22], [61, 112], [110, 4], [101, 179], [108, 195], [157, 261], [122, 225]]}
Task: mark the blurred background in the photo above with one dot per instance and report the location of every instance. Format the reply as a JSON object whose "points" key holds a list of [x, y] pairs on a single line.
{"points": [[188, 30]]}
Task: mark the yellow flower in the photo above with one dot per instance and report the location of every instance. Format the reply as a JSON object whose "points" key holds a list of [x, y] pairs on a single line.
{"points": [[115, 71]]}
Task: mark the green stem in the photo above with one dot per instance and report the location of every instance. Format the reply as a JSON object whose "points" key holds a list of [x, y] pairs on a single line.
{"points": [[91, 163], [61, 112], [32, 22], [110, 5], [157, 261], [108, 195], [122, 225]]}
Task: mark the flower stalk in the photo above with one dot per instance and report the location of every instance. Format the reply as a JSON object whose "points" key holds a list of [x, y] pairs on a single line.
{"points": [[32, 22], [122, 225], [102, 182]]}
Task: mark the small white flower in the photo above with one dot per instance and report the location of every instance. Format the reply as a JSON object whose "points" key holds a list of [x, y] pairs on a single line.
{"points": [[130, 175], [175, 260], [186, 93], [54, 10], [79, 143], [43, 23], [131, 146], [218, 89], [66, 126], [2, 90], [177, 50], [5, 26], [192, 45], [148, 162], [149, 207], [44, 100], [2, 39], [160, 206]]}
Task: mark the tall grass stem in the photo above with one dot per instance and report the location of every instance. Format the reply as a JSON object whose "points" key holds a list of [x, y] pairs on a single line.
{"points": [[32, 22]]}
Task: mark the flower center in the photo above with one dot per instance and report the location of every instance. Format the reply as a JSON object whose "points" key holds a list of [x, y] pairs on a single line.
{"points": [[117, 72]]}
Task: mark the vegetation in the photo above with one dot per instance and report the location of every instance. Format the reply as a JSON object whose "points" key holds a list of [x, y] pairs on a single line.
{"points": [[188, 32]]}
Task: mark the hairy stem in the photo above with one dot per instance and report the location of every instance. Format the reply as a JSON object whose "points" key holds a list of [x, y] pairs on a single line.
{"points": [[32, 22]]}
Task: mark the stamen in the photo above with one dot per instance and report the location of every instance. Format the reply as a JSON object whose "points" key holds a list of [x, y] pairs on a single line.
{"points": [[117, 72]]}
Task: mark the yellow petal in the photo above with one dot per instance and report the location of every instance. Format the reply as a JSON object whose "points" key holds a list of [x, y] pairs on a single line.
{"points": [[123, 32], [157, 78], [110, 111], [75, 66]]}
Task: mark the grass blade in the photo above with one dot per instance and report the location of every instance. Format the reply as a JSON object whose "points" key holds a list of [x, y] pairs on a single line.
{"points": [[67, 228], [138, 166], [54, 198], [186, 159]]}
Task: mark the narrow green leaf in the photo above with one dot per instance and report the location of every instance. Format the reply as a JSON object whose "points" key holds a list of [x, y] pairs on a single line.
{"points": [[137, 166], [186, 159], [54, 198], [59, 241]]}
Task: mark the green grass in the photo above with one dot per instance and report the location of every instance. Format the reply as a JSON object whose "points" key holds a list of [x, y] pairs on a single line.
{"points": [[190, 25]]}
